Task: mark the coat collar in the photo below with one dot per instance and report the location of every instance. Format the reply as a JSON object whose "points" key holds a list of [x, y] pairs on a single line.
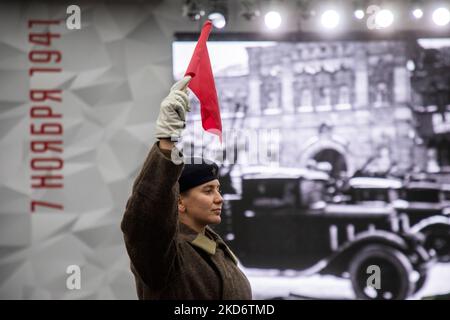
{"points": [[204, 241], [199, 239]]}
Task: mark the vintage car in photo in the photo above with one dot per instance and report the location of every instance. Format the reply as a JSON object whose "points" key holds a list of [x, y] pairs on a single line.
{"points": [[281, 221], [424, 204], [421, 206]]}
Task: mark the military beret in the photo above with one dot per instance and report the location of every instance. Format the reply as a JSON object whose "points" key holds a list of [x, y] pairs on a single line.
{"points": [[197, 171]]}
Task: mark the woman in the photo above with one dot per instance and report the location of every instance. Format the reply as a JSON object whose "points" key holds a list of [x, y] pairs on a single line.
{"points": [[173, 252]]}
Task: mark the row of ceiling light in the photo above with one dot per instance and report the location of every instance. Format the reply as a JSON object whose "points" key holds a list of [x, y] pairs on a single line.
{"points": [[378, 14]]}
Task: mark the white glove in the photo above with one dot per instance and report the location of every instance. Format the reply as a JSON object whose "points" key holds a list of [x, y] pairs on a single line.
{"points": [[172, 114]]}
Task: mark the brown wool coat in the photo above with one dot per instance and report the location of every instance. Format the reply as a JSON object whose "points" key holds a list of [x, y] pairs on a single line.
{"points": [[168, 259]]}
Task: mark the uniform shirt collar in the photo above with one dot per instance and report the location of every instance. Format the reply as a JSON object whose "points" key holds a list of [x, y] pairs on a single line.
{"points": [[204, 241], [199, 240]]}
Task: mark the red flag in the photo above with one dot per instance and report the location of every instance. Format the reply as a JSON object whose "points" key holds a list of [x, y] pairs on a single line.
{"points": [[202, 84]]}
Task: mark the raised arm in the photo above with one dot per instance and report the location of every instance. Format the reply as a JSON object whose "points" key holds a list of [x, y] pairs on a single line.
{"points": [[150, 222]]}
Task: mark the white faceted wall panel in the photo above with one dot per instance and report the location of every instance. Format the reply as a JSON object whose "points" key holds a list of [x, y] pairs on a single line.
{"points": [[114, 72]]}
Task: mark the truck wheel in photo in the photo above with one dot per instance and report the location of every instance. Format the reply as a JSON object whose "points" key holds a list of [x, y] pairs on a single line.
{"points": [[380, 272]]}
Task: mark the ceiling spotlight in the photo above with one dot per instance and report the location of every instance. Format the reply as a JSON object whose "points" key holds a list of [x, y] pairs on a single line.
{"points": [[305, 9], [358, 9], [417, 8], [359, 14], [192, 10], [250, 11], [384, 18], [218, 20], [441, 16], [417, 13], [218, 13], [272, 19], [330, 19]]}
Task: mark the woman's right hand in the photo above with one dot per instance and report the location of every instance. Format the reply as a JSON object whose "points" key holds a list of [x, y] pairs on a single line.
{"points": [[172, 114]]}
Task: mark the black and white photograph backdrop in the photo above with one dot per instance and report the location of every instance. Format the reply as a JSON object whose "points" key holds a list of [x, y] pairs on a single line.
{"points": [[358, 146], [334, 164]]}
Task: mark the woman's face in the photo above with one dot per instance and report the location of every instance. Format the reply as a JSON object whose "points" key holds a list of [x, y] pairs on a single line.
{"points": [[201, 205]]}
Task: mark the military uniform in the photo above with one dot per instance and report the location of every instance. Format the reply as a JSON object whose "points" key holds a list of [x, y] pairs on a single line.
{"points": [[168, 259]]}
